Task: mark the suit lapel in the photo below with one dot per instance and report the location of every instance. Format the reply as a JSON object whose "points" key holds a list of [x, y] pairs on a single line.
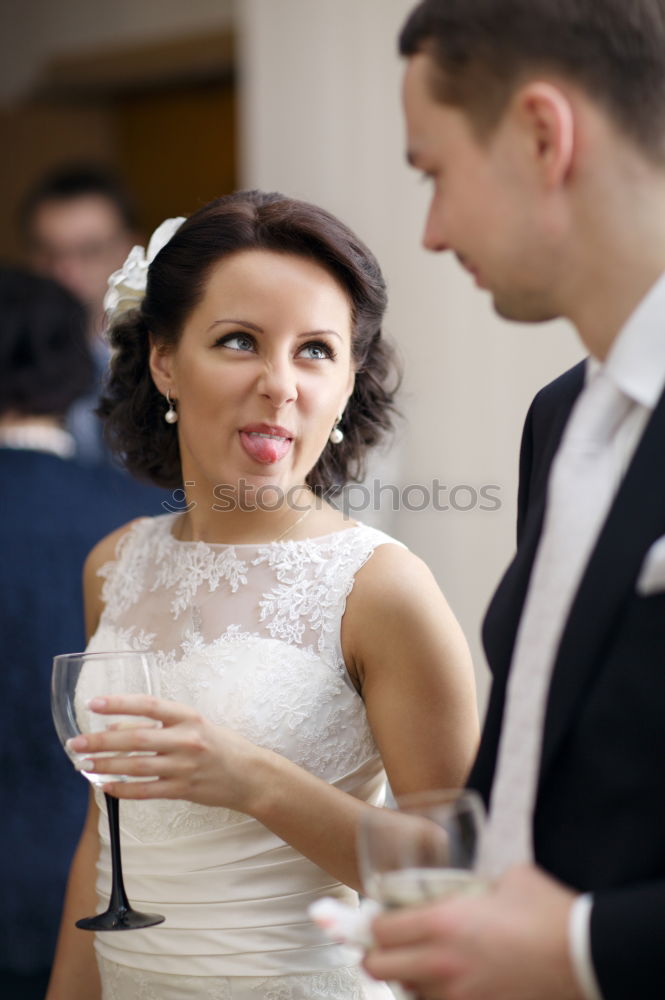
{"points": [[636, 519], [499, 631], [543, 431]]}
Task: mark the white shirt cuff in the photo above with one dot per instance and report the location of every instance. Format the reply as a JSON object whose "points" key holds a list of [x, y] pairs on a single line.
{"points": [[579, 942]]}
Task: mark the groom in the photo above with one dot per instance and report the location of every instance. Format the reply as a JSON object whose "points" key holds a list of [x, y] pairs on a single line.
{"points": [[541, 126]]}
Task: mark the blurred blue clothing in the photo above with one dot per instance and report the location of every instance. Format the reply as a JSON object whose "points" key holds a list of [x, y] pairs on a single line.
{"points": [[52, 512]]}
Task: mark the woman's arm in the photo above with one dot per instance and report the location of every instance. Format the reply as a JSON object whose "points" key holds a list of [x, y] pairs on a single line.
{"points": [[412, 665], [74, 975], [414, 669]]}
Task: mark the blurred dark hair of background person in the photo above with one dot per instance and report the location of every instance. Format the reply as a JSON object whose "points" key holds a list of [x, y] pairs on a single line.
{"points": [[78, 224], [42, 335], [53, 511]]}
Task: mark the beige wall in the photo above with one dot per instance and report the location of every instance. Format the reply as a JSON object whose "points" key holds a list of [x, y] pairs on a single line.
{"points": [[322, 121]]}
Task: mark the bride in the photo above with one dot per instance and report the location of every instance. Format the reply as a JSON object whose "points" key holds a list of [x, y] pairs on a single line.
{"points": [[299, 654]]}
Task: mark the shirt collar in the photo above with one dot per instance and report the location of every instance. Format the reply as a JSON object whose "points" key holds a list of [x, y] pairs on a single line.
{"points": [[636, 361], [38, 437]]}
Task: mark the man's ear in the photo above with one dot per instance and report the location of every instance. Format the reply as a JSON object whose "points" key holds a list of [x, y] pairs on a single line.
{"points": [[546, 117], [161, 368]]}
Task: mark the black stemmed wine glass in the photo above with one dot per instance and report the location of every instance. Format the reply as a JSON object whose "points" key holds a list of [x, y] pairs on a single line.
{"points": [[76, 678]]}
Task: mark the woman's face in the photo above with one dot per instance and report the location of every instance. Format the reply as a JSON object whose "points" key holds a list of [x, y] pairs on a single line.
{"points": [[261, 371]]}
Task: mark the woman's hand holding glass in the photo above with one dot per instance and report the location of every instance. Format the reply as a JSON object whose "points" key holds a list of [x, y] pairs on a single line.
{"points": [[181, 755]]}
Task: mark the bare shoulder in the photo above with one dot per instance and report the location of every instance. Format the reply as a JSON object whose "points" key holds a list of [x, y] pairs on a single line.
{"points": [[407, 655], [103, 552], [395, 598], [393, 579]]}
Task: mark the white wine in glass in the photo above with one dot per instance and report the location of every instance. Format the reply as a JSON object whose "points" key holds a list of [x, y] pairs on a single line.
{"points": [[424, 850], [76, 678]]}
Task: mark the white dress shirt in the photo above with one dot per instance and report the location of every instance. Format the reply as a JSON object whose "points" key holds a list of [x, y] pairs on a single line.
{"points": [[28, 436], [635, 367]]}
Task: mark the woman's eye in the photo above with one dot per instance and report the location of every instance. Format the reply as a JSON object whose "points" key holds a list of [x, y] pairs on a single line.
{"points": [[237, 342], [317, 351]]}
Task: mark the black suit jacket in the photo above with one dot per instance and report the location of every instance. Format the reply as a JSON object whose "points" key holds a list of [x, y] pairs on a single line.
{"points": [[599, 821]]}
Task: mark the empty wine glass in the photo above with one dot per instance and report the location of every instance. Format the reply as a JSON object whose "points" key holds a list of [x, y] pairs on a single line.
{"points": [[76, 678], [424, 850]]}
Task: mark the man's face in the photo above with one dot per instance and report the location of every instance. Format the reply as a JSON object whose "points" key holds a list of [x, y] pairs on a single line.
{"points": [[484, 205], [79, 242]]}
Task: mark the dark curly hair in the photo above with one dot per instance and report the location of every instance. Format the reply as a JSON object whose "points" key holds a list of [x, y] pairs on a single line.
{"points": [[132, 406]]}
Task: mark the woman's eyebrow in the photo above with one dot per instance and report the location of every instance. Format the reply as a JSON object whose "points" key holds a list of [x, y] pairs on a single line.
{"points": [[257, 329], [236, 322], [320, 333]]}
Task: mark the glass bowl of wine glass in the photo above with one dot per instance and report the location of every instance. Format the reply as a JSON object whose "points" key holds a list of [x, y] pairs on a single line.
{"points": [[75, 680]]}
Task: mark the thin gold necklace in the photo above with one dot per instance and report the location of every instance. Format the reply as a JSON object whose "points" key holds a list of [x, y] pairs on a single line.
{"points": [[291, 527], [279, 537]]}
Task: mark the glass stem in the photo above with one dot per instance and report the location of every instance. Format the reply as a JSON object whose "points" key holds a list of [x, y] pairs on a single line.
{"points": [[118, 899]]}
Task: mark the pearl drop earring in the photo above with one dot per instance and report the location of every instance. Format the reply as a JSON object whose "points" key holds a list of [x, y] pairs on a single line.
{"points": [[337, 435], [171, 415]]}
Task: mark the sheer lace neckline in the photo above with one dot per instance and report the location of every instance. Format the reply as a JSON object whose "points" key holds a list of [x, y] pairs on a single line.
{"points": [[170, 522]]}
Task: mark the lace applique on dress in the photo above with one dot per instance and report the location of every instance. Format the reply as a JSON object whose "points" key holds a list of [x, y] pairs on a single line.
{"points": [[160, 820], [314, 579], [339, 984], [122, 590], [122, 983], [185, 569], [193, 641], [136, 638]]}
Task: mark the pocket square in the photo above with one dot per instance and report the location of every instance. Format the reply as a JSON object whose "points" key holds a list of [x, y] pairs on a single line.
{"points": [[652, 574]]}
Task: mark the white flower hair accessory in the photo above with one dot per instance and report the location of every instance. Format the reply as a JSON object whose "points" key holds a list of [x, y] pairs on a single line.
{"points": [[126, 287]]}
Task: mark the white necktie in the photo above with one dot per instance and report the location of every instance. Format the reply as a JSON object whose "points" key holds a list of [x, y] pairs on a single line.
{"points": [[582, 484]]}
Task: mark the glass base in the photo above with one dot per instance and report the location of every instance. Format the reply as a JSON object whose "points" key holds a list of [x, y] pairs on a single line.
{"points": [[119, 920]]}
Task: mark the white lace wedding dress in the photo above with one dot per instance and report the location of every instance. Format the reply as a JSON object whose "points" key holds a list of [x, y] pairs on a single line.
{"points": [[250, 636]]}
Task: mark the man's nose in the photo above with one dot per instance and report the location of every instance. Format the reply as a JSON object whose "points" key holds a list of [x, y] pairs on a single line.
{"points": [[434, 234]]}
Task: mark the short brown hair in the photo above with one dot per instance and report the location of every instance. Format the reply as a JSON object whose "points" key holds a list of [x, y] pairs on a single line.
{"points": [[248, 220], [614, 49]]}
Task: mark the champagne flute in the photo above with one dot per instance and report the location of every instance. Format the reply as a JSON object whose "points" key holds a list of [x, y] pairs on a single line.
{"points": [[424, 850], [76, 678]]}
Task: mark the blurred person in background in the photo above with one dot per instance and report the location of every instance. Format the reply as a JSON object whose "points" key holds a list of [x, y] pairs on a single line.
{"points": [[78, 224], [54, 509]]}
